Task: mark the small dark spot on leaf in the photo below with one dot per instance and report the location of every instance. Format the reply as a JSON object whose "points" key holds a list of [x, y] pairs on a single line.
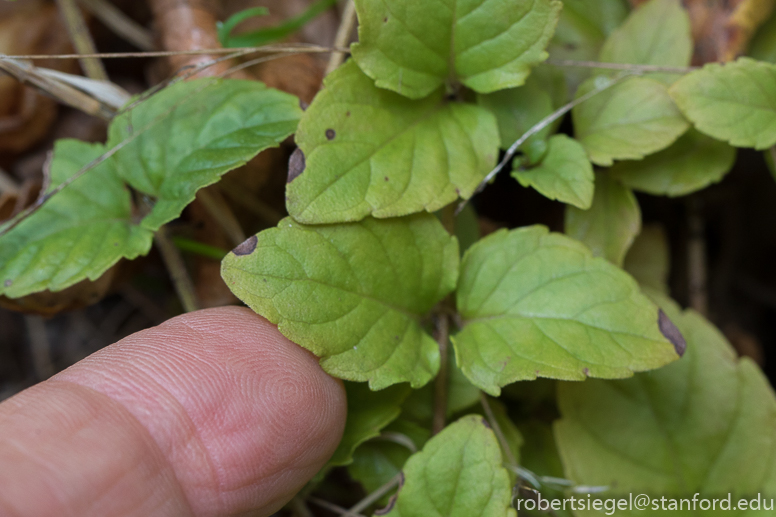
{"points": [[385, 20], [486, 423], [458, 192], [247, 247], [386, 178], [570, 46], [586, 371], [303, 105], [8, 283], [396, 338], [296, 165], [347, 114], [671, 333], [330, 134], [265, 280]]}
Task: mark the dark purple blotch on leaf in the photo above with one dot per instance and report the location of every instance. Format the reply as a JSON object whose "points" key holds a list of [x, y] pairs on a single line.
{"points": [[296, 165], [247, 247], [330, 134], [671, 333]]}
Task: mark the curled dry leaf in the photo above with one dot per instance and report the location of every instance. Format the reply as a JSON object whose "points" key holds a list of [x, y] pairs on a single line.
{"points": [[25, 115]]}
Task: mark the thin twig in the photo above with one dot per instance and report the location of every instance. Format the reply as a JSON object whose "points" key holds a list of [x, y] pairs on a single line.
{"points": [[623, 66], [279, 48], [546, 121], [331, 506], [223, 216], [440, 385], [242, 66], [251, 203], [120, 23], [343, 35], [374, 496], [81, 39], [497, 430], [184, 286]]}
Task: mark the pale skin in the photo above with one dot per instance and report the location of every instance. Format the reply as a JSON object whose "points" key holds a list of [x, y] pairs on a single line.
{"points": [[212, 413]]}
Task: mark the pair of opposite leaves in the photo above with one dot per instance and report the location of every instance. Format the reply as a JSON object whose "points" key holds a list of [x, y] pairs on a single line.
{"points": [[704, 425]]}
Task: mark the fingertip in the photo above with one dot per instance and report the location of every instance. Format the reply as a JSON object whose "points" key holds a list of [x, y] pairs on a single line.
{"points": [[243, 416]]}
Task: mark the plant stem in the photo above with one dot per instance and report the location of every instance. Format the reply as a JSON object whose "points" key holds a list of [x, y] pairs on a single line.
{"points": [[511, 460], [252, 203], [331, 506], [221, 213], [343, 36], [81, 39], [622, 66], [374, 496], [399, 439], [546, 121], [184, 286], [120, 23], [440, 385]]}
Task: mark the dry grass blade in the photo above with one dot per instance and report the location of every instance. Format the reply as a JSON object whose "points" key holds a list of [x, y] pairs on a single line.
{"points": [[64, 93]]}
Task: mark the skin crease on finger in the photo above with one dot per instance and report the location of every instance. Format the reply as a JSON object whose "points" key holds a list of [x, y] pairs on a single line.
{"points": [[211, 413]]}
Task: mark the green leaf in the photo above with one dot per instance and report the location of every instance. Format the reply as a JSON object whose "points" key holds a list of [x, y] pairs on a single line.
{"points": [[702, 425], [692, 163], [582, 29], [268, 34], [371, 151], [224, 29], [734, 102], [376, 462], [612, 222], [353, 294], [166, 147], [188, 135], [763, 46], [512, 435], [368, 413], [658, 33], [565, 173], [630, 120], [540, 456], [414, 48], [518, 109], [537, 304], [457, 474], [79, 233], [649, 259]]}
